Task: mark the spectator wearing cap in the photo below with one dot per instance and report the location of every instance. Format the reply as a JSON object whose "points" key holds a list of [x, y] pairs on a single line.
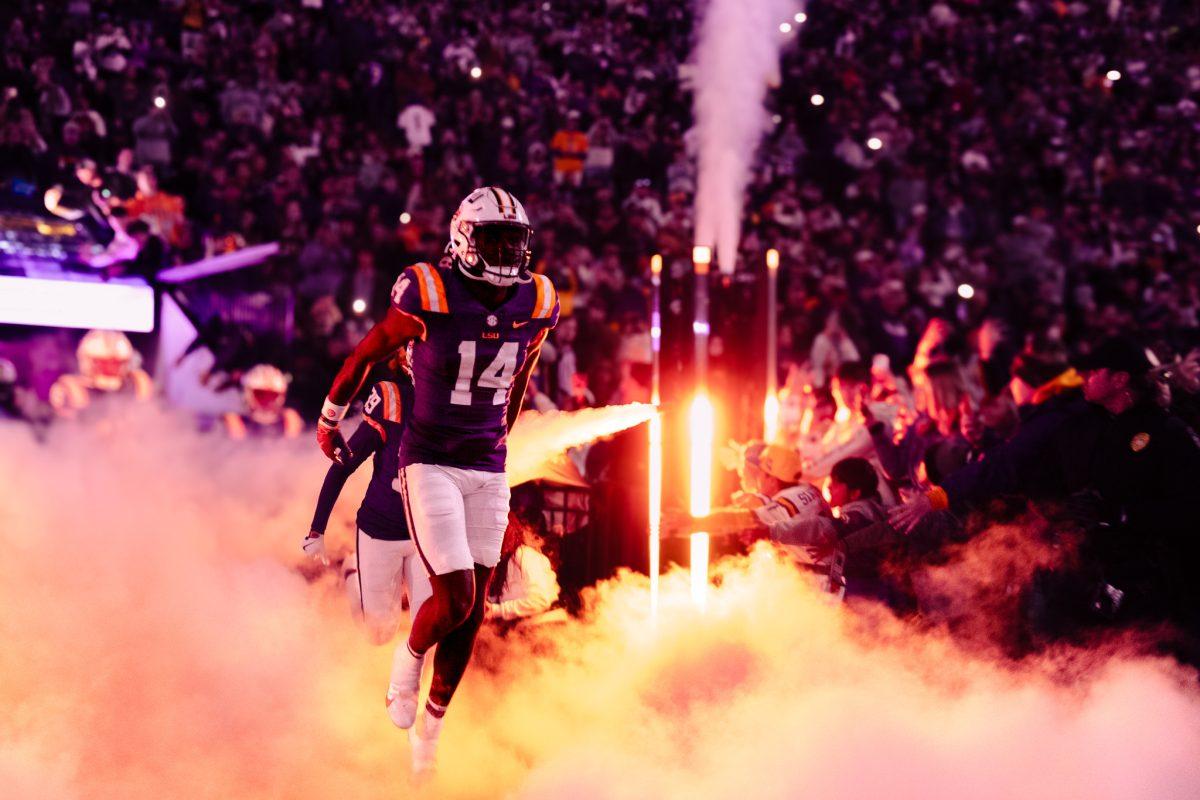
{"points": [[792, 505], [1144, 463], [847, 547], [777, 470]]}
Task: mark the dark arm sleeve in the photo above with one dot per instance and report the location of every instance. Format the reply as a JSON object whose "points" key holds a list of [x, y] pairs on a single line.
{"points": [[363, 443], [869, 537], [896, 458], [1013, 467]]}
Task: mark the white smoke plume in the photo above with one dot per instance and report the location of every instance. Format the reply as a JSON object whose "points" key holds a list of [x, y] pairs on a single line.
{"points": [[158, 641], [736, 58]]}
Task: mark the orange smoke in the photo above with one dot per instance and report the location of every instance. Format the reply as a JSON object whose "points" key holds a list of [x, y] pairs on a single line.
{"points": [[159, 641]]}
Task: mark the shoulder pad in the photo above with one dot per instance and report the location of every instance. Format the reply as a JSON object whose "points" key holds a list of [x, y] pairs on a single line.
{"points": [[429, 282], [384, 404], [293, 423], [545, 297], [68, 393], [235, 426], [143, 384]]}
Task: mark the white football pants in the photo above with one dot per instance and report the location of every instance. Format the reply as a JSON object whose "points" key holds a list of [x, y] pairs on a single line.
{"points": [[383, 572], [456, 516]]}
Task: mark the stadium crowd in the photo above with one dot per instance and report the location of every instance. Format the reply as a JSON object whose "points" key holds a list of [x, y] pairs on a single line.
{"points": [[969, 196]]}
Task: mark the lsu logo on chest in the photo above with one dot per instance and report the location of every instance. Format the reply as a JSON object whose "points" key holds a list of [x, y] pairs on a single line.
{"points": [[490, 331]]}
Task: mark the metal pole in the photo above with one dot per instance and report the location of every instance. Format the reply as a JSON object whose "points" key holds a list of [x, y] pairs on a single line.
{"points": [[655, 328], [654, 512], [700, 429], [701, 261], [771, 402]]}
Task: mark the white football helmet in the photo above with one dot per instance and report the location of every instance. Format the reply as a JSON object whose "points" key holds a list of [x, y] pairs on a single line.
{"points": [[489, 237], [265, 389], [106, 358]]}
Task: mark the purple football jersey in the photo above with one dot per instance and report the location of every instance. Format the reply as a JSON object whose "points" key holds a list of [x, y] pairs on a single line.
{"points": [[464, 368]]}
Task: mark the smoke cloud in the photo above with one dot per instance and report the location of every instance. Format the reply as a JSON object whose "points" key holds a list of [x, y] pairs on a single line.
{"points": [[736, 57], [159, 640], [539, 438]]}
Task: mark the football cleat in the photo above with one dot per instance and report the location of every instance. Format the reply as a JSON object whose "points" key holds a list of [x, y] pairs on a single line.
{"points": [[404, 685], [423, 741], [401, 706]]}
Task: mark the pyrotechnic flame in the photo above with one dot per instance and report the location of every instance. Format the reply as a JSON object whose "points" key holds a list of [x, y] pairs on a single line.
{"points": [[771, 417], [700, 430]]}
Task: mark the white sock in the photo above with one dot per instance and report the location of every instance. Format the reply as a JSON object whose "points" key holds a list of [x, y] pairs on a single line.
{"points": [[431, 721], [406, 670]]}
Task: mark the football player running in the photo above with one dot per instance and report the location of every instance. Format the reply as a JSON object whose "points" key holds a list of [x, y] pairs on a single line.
{"points": [[477, 322], [384, 564]]}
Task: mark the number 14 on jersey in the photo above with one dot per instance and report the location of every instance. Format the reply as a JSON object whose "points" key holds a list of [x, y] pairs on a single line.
{"points": [[498, 375]]}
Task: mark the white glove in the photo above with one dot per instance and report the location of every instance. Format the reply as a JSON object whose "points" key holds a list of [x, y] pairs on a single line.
{"points": [[314, 547]]}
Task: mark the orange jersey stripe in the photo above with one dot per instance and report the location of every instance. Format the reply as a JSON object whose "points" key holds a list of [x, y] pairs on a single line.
{"points": [[543, 305], [440, 288], [392, 404], [433, 291], [422, 286]]}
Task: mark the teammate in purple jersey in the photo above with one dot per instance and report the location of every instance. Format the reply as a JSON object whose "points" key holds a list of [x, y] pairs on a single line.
{"points": [[384, 565], [477, 322]]}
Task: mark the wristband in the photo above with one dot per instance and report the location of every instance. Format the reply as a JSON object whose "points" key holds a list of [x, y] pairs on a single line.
{"points": [[332, 413], [938, 499]]}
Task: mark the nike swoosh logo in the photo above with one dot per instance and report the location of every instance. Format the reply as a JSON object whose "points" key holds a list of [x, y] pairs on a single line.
{"points": [[520, 324]]}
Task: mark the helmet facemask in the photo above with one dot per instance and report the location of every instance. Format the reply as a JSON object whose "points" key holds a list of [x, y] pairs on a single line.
{"points": [[265, 401], [498, 253]]}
